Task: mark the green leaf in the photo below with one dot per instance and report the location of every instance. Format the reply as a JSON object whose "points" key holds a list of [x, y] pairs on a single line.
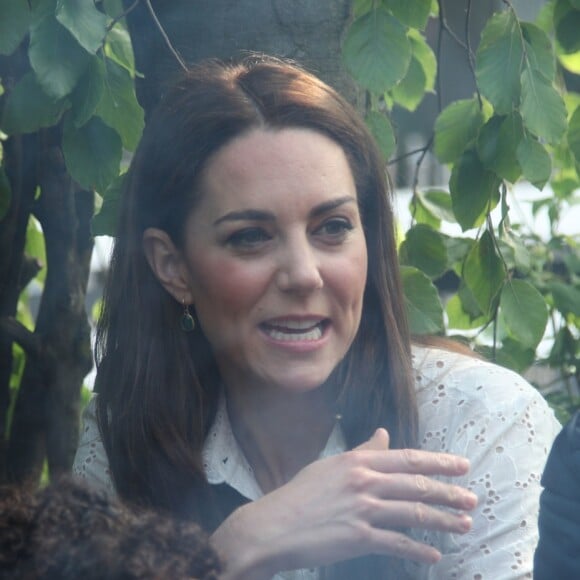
{"points": [[474, 190], [571, 62], [377, 51], [423, 53], [13, 24], [538, 50], [425, 249], [545, 16], [105, 222], [56, 57], [382, 130], [566, 298], [118, 48], [484, 273], [361, 7], [457, 250], [119, 107], [40, 9], [438, 202], [5, 194], [499, 61], [422, 215], [456, 128], [573, 136], [414, 14], [497, 144], [114, 8], [28, 108], [514, 355], [564, 346], [82, 19], [35, 246], [424, 310], [458, 318], [88, 92], [566, 25], [410, 91], [92, 153], [515, 253], [524, 312], [542, 108], [535, 161], [469, 304]]}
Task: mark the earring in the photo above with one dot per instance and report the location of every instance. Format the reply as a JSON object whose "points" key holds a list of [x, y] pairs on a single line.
{"points": [[187, 322]]}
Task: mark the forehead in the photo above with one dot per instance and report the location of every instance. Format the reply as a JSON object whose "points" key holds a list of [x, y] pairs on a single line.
{"points": [[269, 161]]}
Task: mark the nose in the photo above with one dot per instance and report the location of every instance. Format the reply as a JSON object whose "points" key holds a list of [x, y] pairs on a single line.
{"points": [[299, 268]]}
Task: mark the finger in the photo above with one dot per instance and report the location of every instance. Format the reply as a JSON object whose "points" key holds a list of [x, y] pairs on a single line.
{"points": [[407, 514], [378, 442], [414, 461], [417, 487], [393, 543]]}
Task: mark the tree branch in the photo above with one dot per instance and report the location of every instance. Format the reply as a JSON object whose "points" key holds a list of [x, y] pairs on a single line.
{"points": [[420, 162], [446, 27], [470, 58], [30, 268], [122, 15], [165, 37], [409, 154], [29, 341]]}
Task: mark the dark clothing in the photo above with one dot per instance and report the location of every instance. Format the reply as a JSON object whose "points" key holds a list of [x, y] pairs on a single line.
{"points": [[558, 551]]}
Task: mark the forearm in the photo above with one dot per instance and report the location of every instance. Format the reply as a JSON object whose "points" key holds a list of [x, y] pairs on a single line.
{"points": [[245, 555]]}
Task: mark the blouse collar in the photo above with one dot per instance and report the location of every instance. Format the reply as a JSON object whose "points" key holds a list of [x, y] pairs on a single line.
{"points": [[225, 462]]}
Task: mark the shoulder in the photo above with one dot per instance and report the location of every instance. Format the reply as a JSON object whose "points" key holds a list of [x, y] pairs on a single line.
{"points": [[90, 462], [497, 420], [455, 392]]}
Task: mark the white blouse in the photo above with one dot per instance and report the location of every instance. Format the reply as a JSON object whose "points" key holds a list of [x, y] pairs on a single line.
{"points": [[467, 407]]}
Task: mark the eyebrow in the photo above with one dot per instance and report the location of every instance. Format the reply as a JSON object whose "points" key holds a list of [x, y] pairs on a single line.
{"points": [[260, 215]]}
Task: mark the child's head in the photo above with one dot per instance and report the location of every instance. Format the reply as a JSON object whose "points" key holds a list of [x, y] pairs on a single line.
{"points": [[68, 531]]}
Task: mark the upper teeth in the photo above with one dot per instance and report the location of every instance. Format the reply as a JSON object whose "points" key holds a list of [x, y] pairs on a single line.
{"points": [[296, 324]]}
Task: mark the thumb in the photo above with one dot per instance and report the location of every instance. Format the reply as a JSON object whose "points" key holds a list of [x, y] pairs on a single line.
{"points": [[379, 441]]}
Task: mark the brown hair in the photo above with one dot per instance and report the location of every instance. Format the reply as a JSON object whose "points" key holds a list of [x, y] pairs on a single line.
{"points": [[159, 386], [68, 531]]}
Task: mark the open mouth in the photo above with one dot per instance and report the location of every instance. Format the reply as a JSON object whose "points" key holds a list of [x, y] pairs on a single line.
{"points": [[295, 330]]}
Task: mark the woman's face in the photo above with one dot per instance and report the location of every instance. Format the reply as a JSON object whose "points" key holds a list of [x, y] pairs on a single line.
{"points": [[276, 259]]}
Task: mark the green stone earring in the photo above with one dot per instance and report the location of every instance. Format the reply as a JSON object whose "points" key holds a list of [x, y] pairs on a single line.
{"points": [[187, 321]]}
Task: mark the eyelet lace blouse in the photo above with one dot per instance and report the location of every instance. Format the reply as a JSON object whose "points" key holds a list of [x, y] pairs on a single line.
{"points": [[467, 407]]}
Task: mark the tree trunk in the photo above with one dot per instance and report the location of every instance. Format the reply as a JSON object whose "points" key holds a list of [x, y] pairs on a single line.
{"points": [[45, 418], [309, 32], [20, 161]]}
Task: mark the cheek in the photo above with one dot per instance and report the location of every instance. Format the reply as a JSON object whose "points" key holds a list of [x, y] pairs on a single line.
{"points": [[227, 285], [348, 279]]}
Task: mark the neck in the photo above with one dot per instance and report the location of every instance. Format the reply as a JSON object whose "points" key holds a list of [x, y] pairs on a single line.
{"points": [[280, 433]]}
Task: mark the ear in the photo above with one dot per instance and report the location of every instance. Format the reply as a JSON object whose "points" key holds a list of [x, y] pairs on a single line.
{"points": [[167, 264]]}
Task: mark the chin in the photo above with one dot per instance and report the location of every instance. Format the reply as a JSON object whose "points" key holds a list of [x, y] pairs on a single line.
{"points": [[300, 383]]}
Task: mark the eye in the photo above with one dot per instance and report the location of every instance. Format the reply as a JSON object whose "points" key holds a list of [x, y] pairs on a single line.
{"points": [[334, 229], [248, 238]]}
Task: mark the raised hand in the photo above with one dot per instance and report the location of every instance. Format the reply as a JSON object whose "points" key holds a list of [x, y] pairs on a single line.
{"points": [[346, 506]]}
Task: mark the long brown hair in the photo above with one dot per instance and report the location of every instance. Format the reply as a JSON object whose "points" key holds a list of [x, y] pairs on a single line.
{"points": [[158, 386]]}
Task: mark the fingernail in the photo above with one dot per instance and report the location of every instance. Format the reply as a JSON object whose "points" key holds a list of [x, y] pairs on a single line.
{"points": [[465, 522], [464, 463], [470, 499]]}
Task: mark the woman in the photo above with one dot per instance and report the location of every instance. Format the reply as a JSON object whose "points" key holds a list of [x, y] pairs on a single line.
{"points": [[254, 331]]}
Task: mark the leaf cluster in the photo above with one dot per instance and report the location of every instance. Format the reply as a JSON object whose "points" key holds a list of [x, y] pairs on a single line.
{"points": [[521, 125], [79, 77]]}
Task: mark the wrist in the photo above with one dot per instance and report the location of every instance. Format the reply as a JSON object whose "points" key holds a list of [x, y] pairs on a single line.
{"points": [[244, 555]]}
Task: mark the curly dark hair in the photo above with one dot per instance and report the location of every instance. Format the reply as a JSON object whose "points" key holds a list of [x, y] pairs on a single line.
{"points": [[68, 531]]}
